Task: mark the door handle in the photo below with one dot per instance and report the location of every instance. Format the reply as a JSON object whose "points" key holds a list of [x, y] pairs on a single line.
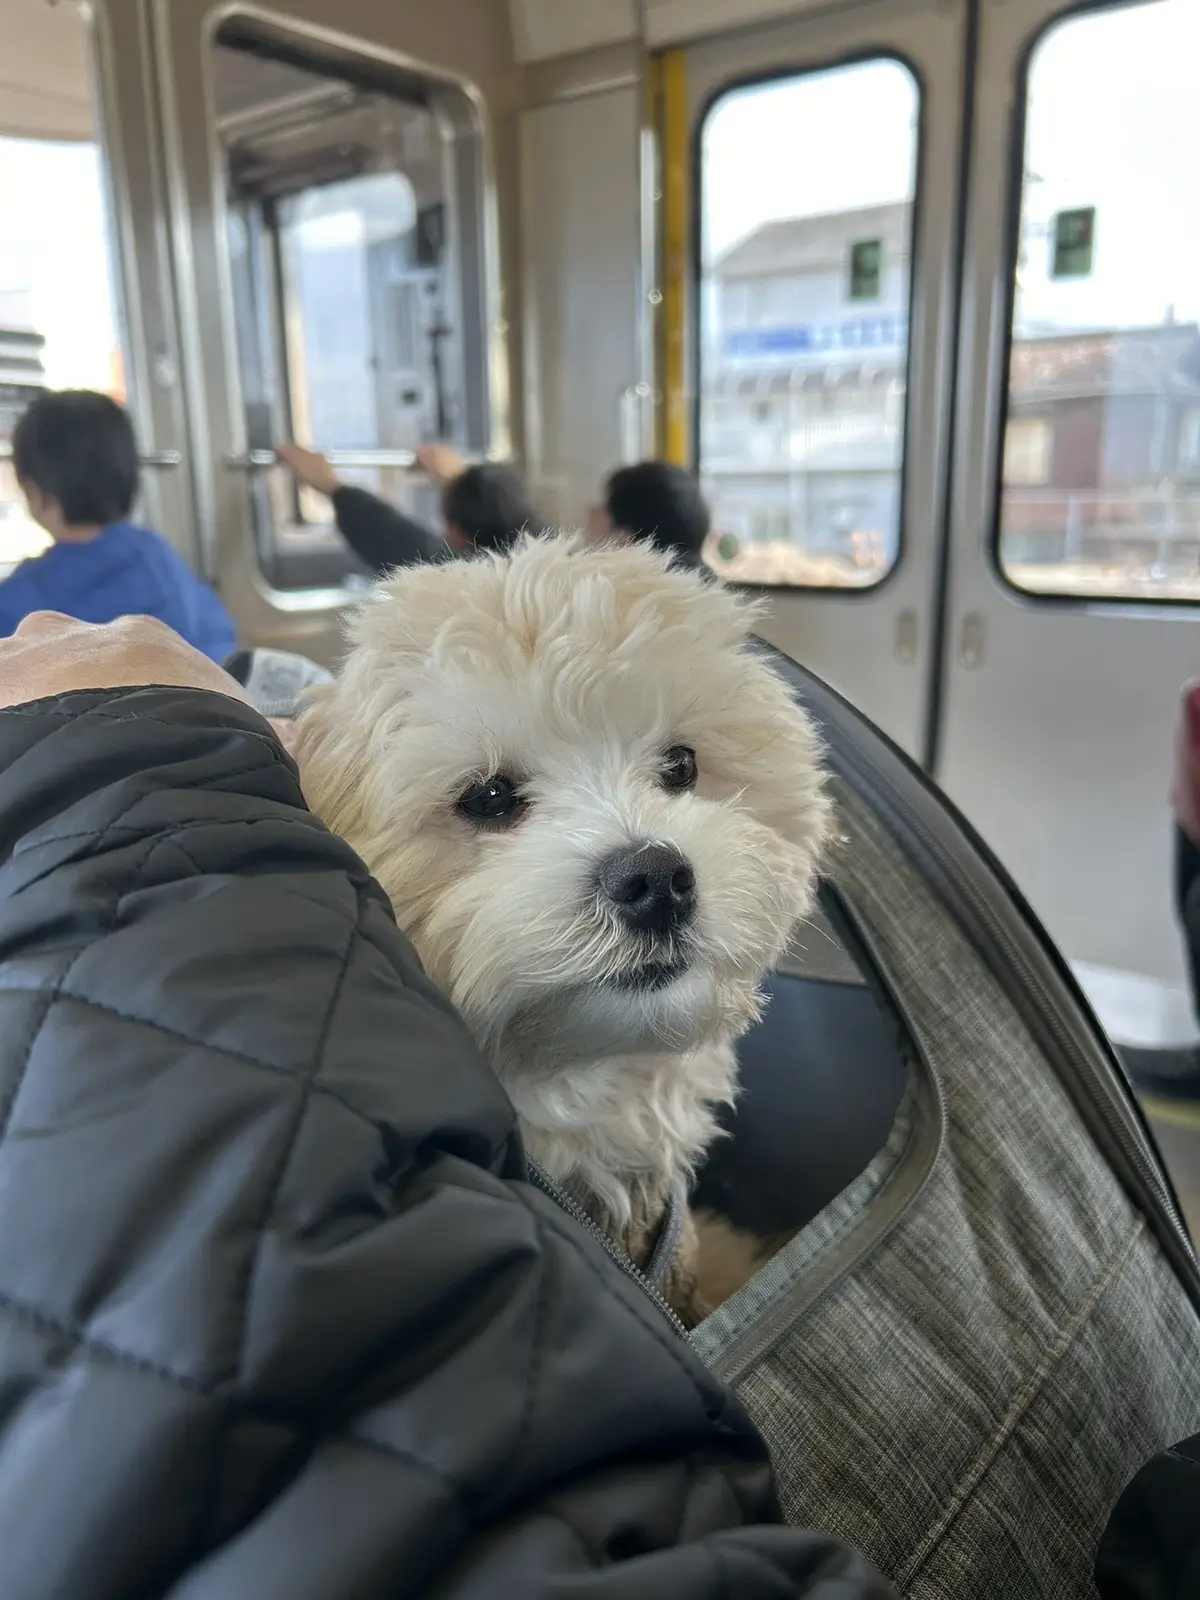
{"points": [[970, 641], [906, 636], [261, 460]]}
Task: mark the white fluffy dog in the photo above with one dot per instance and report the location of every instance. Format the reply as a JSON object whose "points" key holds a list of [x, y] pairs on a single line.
{"points": [[598, 815]]}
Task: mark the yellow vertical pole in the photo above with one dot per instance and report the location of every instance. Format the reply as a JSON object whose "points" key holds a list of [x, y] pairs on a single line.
{"points": [[650, 176], [671, 75]]}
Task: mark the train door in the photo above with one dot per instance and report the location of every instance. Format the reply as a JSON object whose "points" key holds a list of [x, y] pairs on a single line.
{"points": [[823, 218], [72, 310], [336, 248], [586, 281], [1075, 559]]}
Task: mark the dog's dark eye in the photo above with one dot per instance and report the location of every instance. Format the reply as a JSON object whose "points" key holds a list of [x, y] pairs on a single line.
{"points": [[678, 769], [493, 800]]}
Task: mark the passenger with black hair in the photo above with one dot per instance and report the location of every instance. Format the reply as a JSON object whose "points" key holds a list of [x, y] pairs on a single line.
{"points": [[657, 503], [484, 507], [76, 462], [487, 507]]}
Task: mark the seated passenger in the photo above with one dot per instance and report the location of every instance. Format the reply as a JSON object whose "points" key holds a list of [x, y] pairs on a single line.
{"points": [[485, 507], [658, 503], [76, 461]]}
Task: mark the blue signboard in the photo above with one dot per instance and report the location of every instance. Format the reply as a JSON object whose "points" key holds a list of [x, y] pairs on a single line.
{"points": [[886, 331]]}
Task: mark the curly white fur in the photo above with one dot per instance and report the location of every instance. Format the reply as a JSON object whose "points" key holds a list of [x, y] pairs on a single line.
{"points": [[571, 671]]}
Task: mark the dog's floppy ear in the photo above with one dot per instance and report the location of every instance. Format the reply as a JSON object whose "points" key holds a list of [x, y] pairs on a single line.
{"points": [[343, 724]]}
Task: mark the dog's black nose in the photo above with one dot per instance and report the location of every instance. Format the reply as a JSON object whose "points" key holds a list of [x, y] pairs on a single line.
{"points": [[651, 885]]}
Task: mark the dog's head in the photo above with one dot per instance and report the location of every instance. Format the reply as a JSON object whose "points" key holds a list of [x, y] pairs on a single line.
{"points": [[596, 812]]}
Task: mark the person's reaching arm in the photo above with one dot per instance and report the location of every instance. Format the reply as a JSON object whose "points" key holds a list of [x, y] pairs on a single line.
{"points": [[281, 1319], [381, 536]]}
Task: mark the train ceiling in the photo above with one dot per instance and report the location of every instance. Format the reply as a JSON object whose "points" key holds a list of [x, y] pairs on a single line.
{"points": [[45, 89], [545, 28]]}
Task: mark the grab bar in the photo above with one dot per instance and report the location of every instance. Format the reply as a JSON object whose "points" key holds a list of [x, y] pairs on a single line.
{"points": [[157, 460], [262, 460]]}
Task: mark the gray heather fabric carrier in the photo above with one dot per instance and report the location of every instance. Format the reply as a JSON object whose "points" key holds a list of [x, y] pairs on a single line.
{"points": [[963, 1360]]}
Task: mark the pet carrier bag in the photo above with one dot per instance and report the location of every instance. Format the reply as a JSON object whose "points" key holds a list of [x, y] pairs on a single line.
{"points": [[962, 1360]]}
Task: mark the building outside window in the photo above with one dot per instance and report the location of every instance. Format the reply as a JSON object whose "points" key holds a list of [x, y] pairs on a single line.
{"points": [[866, 269], [804, 324], [1027, 448], [1189, 439], [58, 320], [812, 391]]}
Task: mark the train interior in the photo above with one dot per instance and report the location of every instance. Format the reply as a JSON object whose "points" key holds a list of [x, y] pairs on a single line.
{"points": [[914, 285]]}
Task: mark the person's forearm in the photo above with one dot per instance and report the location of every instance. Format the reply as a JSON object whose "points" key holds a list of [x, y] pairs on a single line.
{"points": [[381, 536]]}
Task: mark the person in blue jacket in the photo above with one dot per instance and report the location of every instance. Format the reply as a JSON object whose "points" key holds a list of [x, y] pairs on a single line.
{"points": [[76, 462]]}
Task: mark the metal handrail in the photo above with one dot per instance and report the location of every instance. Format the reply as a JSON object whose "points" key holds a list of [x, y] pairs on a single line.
{"points": [[155, 459], [262, 460]]}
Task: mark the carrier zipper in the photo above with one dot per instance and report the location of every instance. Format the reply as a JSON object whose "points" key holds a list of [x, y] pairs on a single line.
{"points": [[542, 1180], [899, 1188]]}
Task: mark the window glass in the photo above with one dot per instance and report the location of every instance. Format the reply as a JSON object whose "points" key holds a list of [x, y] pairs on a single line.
{"points": [[346, 251], [353, 221], [805, 275], [58, 322], [1101, 471]]}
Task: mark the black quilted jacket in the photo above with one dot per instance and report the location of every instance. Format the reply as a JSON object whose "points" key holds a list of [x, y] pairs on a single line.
{"points": [[278, 1317]]}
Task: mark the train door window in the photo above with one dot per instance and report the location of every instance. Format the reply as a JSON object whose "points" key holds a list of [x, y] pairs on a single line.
{"points": [[352, 336], [354, 211], [806, 276], [58, 318], [1105, 338]]}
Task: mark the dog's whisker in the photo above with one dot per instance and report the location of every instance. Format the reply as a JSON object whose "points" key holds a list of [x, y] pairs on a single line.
{"points": [[822, 933]]}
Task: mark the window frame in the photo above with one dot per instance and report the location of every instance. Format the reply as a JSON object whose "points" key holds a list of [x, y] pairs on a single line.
{"points": [[768, 77], [1013, 204]]}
